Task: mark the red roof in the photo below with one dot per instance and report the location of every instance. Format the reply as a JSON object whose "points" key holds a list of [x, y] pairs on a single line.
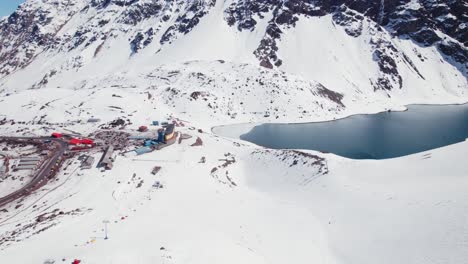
{"points": [[74, 141], [56, 135], [87, 141]]}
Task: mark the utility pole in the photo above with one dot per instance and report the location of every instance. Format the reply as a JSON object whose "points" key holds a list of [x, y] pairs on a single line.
{"points": [[105, 228]]}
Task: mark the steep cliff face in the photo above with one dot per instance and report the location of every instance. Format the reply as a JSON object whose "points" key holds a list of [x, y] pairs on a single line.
{"points": [[52, 25], [32, 29], [70, 35], [427, 23]]}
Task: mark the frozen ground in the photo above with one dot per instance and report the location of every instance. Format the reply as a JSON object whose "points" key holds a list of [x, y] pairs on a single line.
{"points": [[257, 206], [13, 180], [245, 204]]}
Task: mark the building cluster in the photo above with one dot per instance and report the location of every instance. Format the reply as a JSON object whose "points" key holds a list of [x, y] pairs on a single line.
{"points": [[119, 139], [74, 142], [109, 138], [166, 136]]}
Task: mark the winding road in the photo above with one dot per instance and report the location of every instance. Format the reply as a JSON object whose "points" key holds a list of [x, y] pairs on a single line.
{"points": [[41, 175]]}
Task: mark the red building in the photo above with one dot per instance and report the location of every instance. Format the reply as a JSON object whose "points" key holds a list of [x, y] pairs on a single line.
{"points": [[76, 141], [87, 141], [56, 135]]}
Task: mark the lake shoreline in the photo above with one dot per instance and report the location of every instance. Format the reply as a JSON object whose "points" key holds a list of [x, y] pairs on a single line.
{"points": [[340, 118], [363, 136]]}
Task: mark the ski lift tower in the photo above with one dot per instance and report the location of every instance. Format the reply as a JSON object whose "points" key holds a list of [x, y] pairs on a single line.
{"points": [[105, 228]]}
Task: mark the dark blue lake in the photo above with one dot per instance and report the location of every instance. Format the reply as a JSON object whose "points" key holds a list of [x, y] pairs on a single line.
{"points": [[377, 136]]}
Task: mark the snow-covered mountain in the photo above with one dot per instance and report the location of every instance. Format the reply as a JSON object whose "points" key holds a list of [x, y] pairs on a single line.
{"points": [[345, 45], [205, 63]]}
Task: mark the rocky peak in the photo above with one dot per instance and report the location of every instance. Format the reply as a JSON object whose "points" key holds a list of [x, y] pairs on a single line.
{"points": [[426, 22], [30, 30], [73, 25], [39, 25]]}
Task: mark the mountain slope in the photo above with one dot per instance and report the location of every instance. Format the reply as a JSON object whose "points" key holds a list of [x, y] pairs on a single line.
{"points": [[384, 46]]}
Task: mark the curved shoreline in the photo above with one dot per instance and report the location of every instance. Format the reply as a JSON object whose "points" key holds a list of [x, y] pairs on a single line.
{"points": [[406, 108], [236, 131]]}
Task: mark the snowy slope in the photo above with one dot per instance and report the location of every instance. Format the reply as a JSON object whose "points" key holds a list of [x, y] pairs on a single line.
{"points": [[245, 203], [347, 64], [258, 209]]}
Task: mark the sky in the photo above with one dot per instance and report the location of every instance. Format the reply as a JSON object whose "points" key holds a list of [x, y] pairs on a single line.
{"points": [[8, 6]]}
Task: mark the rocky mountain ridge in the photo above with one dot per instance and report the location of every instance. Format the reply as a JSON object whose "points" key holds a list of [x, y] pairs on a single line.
{"points": [[425, 22], [61, 27]]}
